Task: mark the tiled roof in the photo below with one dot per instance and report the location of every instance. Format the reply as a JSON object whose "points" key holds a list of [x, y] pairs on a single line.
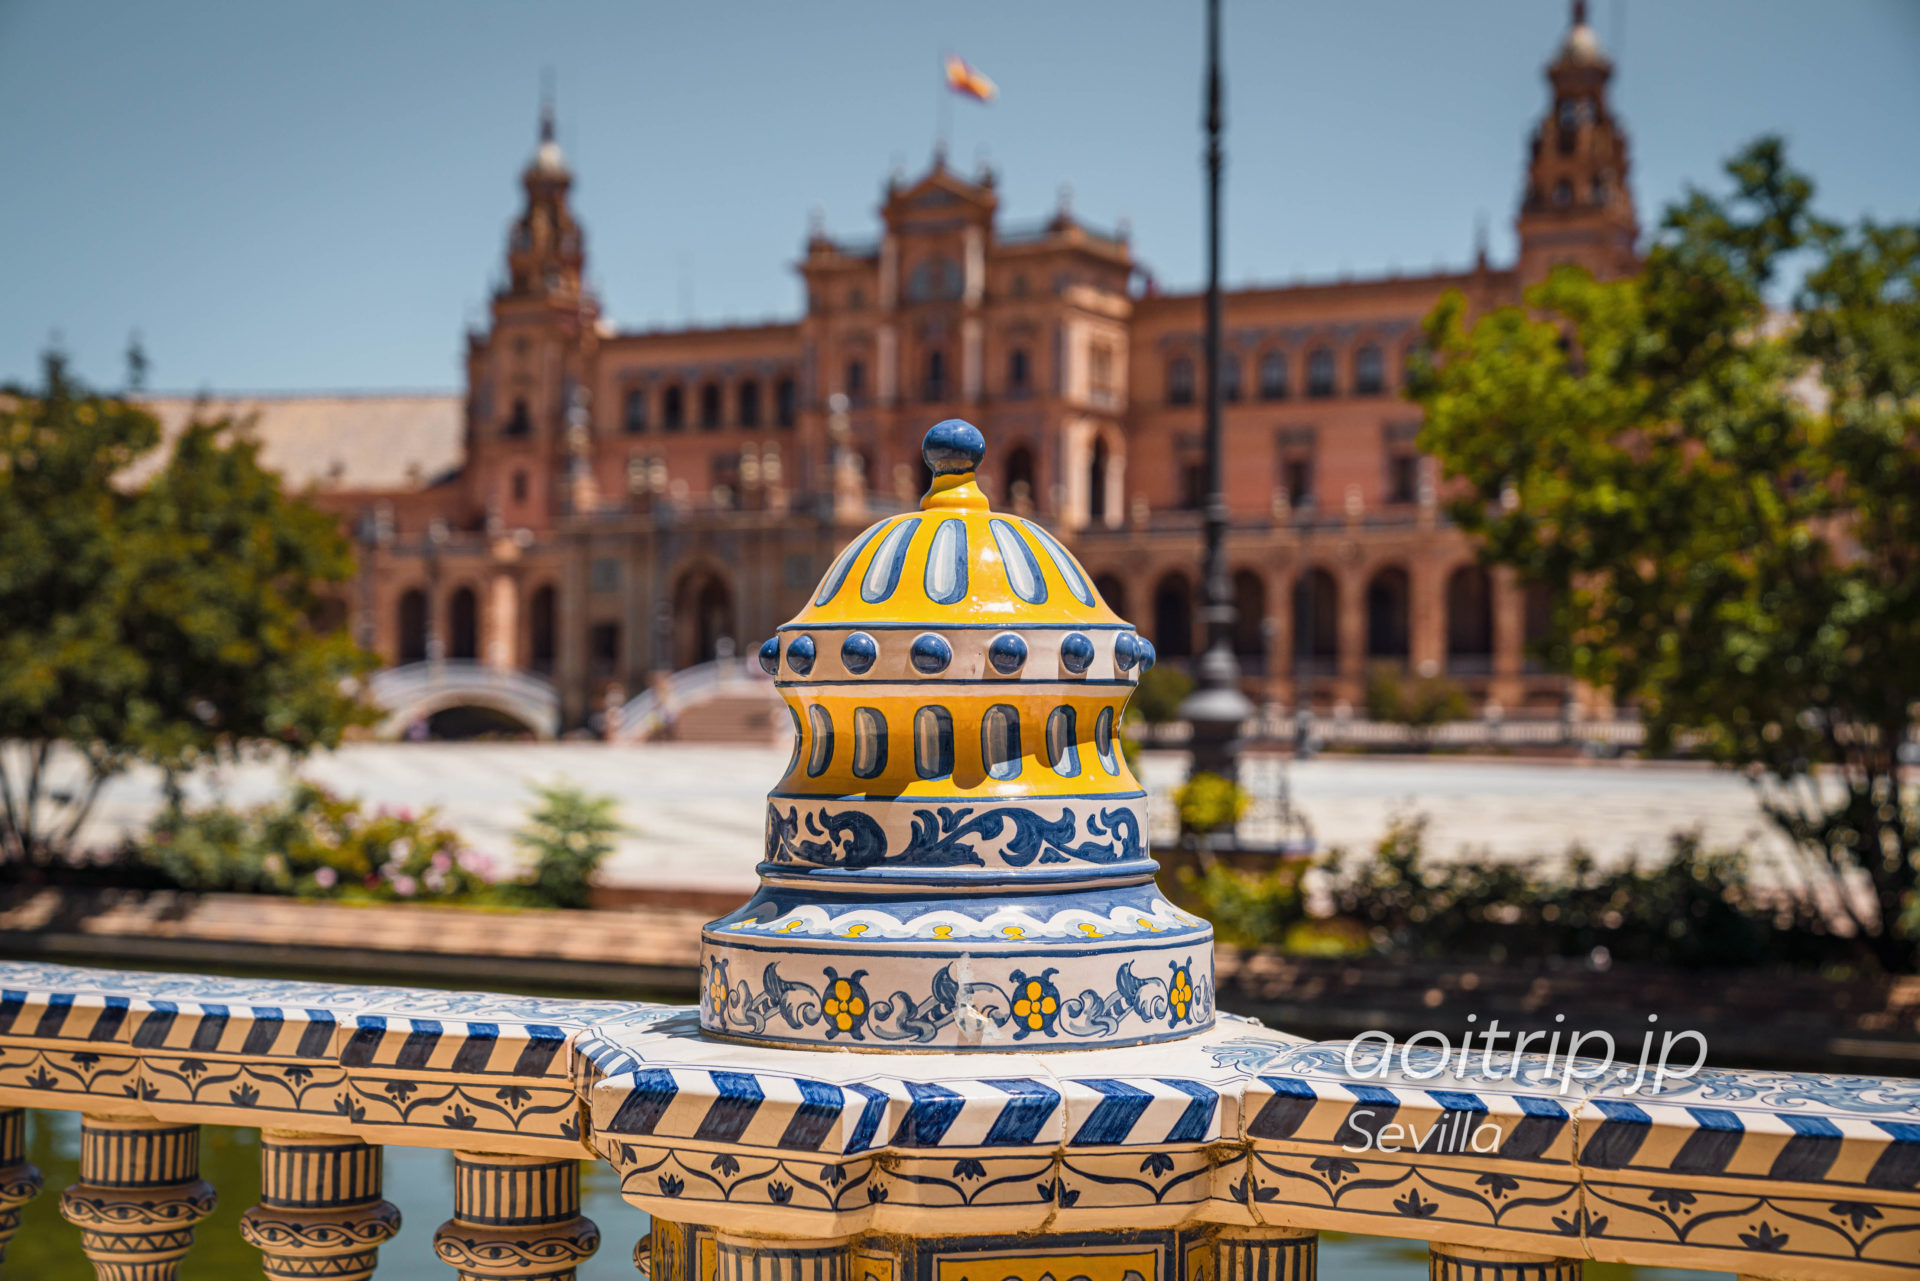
{"points": [[361, 442]]}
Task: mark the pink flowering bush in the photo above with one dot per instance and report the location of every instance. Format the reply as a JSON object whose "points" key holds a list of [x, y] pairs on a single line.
{"points": [[316, 845]]}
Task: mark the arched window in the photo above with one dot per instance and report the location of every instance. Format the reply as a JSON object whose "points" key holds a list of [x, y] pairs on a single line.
{"points": [[463, 625], [1387, 615], [1020, 477], [1000, 741], [934, 280], [786, 403], [710, 414], [1229, 377], [413, 626], [1018, 372], [933, 742], [1469, 620], [1173, 617], [1097, 481], [636, 419], [749, 397], [1369, 371], [1316, 621], [933, 389], [1562, 193], [521, 421], [869, 742], [1320, 372], [1273, 376], [855, 381], [1180, 380], [540, 627], [673, 408], [1249, 622], [1537, 622], [703, 617]]}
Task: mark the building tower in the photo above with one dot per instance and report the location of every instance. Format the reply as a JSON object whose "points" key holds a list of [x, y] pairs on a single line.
{"points": [[1578, 207], [547, 248]]}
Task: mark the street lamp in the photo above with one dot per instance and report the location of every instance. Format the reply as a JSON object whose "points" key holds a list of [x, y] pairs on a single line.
{"points": [[1217, 708]]}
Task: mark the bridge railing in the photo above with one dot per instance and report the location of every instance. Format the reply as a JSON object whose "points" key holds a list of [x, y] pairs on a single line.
{"points": [[1220, 1156], [652, 710]]}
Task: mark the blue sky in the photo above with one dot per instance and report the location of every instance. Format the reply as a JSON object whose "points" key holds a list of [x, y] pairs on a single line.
{"points": [[314, 196]]}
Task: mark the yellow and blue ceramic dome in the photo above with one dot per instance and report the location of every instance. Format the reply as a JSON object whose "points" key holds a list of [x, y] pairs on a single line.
{"points": [[957, 856]]}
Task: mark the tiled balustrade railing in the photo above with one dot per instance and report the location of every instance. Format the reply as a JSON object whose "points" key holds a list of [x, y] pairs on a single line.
{"points": [[1217, 1157]]}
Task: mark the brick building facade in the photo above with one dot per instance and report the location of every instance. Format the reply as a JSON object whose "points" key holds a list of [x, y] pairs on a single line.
{"points": [[621, 503]]}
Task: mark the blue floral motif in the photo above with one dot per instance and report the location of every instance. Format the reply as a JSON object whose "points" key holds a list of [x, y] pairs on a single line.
{"points": [[940, 836], [851, 838], [946, 836]]}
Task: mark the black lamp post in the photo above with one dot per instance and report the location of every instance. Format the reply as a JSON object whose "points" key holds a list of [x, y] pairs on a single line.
{"points": [[1217, 708]]}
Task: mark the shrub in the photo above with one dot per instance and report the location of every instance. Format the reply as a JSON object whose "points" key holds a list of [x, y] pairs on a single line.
{"points": [[1695, 909], [1248, 908], [1160, 693], [1421, 702], [1209, 803], [313, 843], [568, 834]]}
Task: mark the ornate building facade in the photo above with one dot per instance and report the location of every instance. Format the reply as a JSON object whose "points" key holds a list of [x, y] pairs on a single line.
{"points": [[623, 503]]}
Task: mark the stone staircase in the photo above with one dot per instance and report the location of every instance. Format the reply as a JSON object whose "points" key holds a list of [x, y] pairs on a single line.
{"points": [[731, 718]]}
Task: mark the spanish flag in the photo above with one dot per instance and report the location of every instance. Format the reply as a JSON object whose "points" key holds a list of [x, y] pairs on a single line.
{"points": [[965, 79]]}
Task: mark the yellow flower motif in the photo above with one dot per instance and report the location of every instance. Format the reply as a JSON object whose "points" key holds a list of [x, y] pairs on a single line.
{"points": [[717, 993], [1181, 995], [943, 931], [843, 1005], [1035, 1006], [1013, 931]]}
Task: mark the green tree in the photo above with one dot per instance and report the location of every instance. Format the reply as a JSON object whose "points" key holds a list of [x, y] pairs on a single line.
{"points": [[169, 620], [1724, 501], [568, 833]]}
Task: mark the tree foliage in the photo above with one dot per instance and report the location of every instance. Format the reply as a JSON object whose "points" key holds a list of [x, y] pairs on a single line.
{"points": [[1724, 499], [171, 620]]}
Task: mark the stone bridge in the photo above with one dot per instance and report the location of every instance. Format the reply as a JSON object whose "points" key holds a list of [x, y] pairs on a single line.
{"points": [[418, 690]]}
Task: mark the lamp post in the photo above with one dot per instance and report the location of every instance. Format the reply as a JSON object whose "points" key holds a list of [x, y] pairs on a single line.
{"points": [[1217, 708]]}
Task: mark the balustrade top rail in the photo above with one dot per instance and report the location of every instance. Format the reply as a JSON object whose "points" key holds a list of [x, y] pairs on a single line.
{"points": [[1766, 1173]]}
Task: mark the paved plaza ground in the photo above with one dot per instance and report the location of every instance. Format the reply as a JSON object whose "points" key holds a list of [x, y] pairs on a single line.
{"points": [[697, 810]]}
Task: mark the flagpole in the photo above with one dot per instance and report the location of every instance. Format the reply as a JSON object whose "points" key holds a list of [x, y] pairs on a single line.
{"points": [[943, 113]]}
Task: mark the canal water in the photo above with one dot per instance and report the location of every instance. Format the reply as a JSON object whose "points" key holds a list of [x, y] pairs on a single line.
{"points": [[420, 1182]]}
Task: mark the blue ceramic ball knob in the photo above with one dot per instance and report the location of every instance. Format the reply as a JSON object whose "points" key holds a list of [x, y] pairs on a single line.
{"points": [[1007, 653], [953, 447], [857, 653], [1148, 656], [1126, 651], [1076, 653], [770, 655], [930, 653], [800, 655]]}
